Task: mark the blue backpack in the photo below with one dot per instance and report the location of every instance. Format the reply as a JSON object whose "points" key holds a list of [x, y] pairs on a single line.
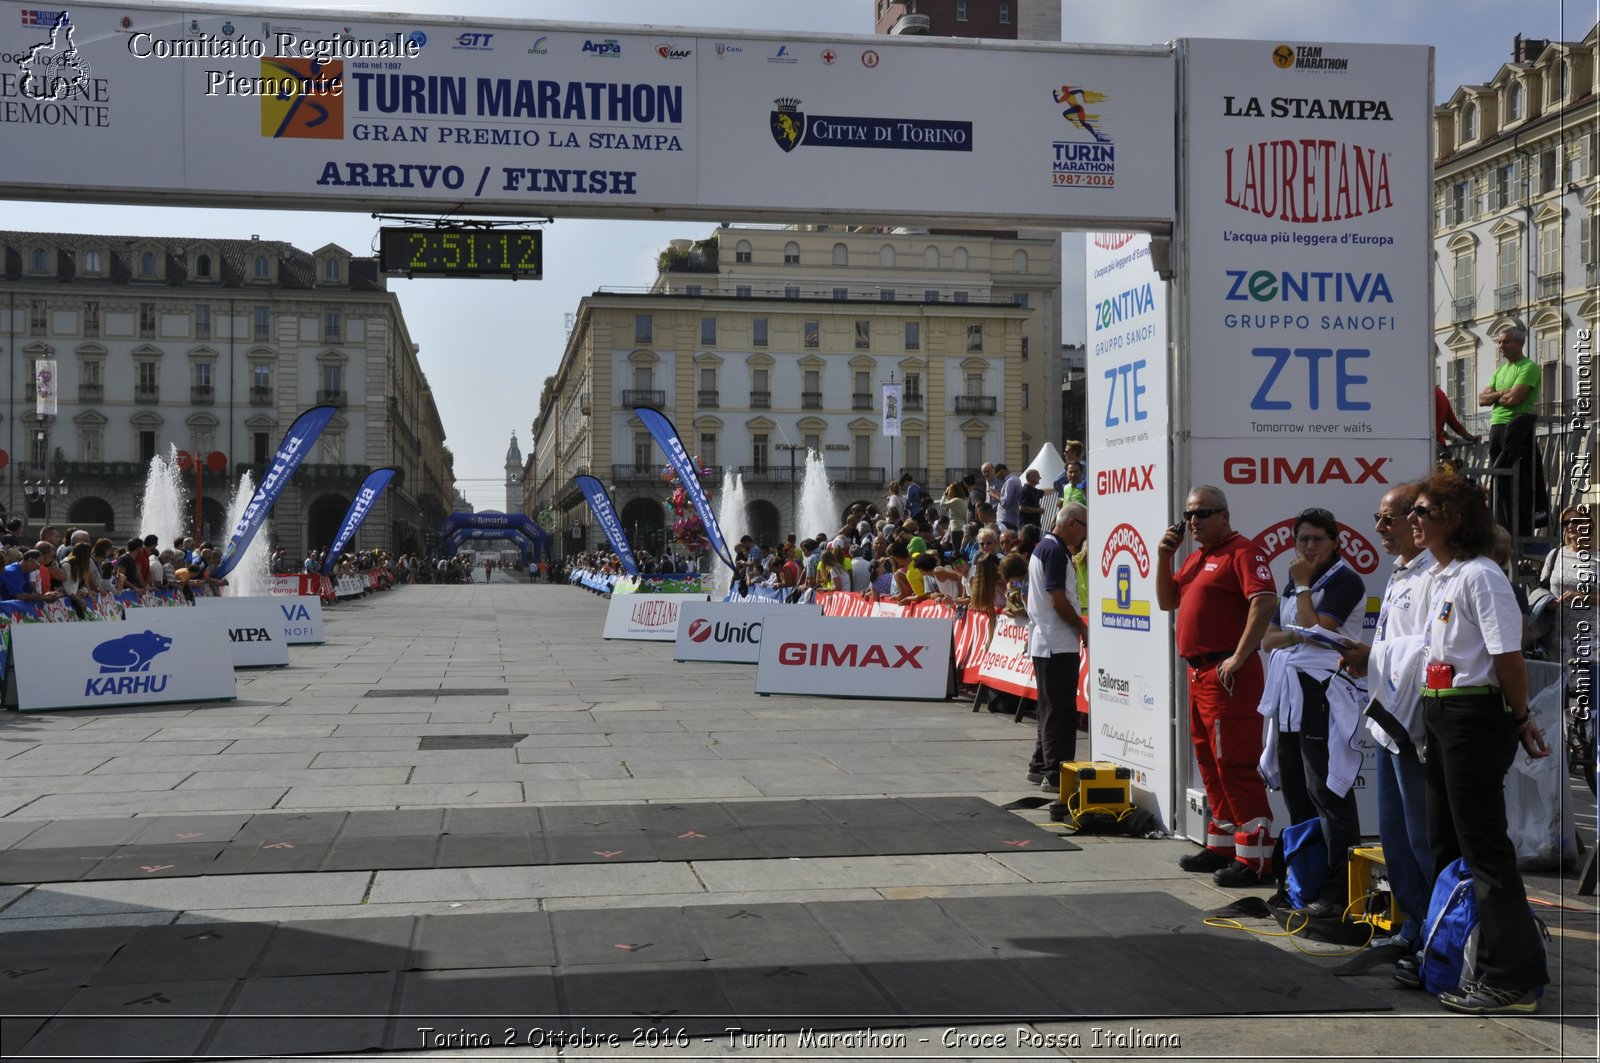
{"points": [[1305, 859], [1450, 936]]}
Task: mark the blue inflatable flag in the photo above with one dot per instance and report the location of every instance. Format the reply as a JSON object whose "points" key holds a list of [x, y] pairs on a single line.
{"points": [[606, 514], [666, 437], [292, 451], [371, 488]]}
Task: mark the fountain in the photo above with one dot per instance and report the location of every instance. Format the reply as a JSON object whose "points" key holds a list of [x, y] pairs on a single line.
{"points": [[163, 510], [734, 524], [819, 513], [251, 576]]}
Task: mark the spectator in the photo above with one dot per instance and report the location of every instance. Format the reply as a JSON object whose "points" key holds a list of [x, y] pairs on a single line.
{"points": [[1031, 505], [986, 588], [1056, 635], [1073, 488], [1513, 392], [19, 581], [1444, 416], [1009, 508]]}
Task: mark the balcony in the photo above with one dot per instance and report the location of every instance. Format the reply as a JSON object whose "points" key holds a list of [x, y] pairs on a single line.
{"points": [[1507, 298], [260, 396], [811, 400], [644, 397], [911, 400], [708, 400], [201, 395], [128, 471], [332, 397], [1464, 309], [147, 394], [771, 473], [861, 400], [91, 393], [761, 400], [700, 258], [857, 475], [981, 404], [912, 26], [635, 473], [1551, 285], [952, 473]]}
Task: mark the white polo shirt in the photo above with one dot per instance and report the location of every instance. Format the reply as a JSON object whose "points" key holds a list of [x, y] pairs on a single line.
{"points": [[1474, 617]]}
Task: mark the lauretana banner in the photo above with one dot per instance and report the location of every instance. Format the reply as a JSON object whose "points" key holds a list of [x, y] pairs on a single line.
{"points": [[688, 475], [371, 488], [291, 452], [606, 514]]}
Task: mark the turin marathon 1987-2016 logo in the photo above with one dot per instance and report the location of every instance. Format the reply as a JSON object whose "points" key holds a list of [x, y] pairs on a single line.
{"points": [[1080, 162]]}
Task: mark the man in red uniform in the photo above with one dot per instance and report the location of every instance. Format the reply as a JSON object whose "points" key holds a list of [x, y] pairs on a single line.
{"points": [[1227, 599]]}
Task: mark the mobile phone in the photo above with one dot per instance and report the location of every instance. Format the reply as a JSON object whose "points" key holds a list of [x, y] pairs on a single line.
{"points": [[1178, 529]]}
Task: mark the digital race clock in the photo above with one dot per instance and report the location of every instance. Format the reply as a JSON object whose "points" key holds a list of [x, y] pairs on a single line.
{"points": [[462, 252]]}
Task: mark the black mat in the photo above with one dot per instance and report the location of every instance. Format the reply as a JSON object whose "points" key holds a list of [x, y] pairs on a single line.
{"points": [[348, 985], [517, 836]]}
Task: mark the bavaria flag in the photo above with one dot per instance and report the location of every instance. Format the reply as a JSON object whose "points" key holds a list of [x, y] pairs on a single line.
{"points": [[371, 488], [291, 452], [688, 475], [606, 514]]}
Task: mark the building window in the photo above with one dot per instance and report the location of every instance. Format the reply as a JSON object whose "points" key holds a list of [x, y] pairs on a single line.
{"points": [[974, 384], [864, 335], [974, 449], [812, 331], [202, 321], [148, 377], [741, 253], [913, 458], [1549, 250], [644, 378], [262, 268], [741, 291], [333, 378], [202, 375], [263, 323], [1589, 240], [961, 10], [643, 328], [708, 331], [861, 399], [147, 264], [1005, 13], [840, 295], [760, 390], [886, 295], [841, 255], [1024, 348], [692, 290], [759, 446], [40, 260], [1507, 266], [791, 291], [930, 258], [758, 332], [708, 385], [1505, 184], [960, 297], [812, 441], [89, 373], [332, 327], [202, 267], [1024, 401], [863, 453], [147, 446], [332, 272], [92, 262], [791, 254], [1469, 122], [1019, 299], [708, 449], [811, 389], [911, 398], [1548, 170], [975, 337], [1514, 102], [1558, 82], [38, 318], [913, 336], [90, 444], [643, 451], [147, 320], [261, 376], [260, 448]]}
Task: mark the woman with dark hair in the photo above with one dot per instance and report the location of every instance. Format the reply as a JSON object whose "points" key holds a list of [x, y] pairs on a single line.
{"points": [[987, 589], [1475, 712], [1315, 716], [82, 579]]}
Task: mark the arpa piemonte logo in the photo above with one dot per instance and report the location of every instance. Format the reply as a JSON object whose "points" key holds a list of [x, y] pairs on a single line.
{"points": [[125, 665]]}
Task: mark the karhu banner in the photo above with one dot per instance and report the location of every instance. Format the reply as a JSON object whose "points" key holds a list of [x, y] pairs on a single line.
{"points": [[606, 514], [371, 488], [688, 474], [291, 452]]}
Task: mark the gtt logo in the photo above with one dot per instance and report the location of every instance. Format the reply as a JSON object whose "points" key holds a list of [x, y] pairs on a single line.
{"points": [[475, 41]]}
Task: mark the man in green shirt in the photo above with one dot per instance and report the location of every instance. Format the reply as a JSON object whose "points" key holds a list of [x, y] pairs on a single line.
{"points": [[1513, 392]]}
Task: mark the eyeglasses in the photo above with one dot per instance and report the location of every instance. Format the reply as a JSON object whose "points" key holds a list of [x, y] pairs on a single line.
{"points": [[1201, 514], [1383, 520], [1313, 540], [1575, 522], [1425, 512]]}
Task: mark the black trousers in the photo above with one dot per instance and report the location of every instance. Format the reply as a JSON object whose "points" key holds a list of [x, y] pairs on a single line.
{"points": [[1303, 769], [1471, 744], [1511, 447], [1056, 677]]}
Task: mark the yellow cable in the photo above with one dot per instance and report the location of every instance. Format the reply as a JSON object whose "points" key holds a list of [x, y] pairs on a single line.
{"points": [[1292, 931]]}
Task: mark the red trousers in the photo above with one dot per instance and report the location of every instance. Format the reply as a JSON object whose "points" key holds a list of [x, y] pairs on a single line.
{"points": [[1226, 731]]}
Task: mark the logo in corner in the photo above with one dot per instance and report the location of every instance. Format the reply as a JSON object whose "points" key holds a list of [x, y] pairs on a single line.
{"points": [[1123, 610], [1080, 162], [1283, 57], [305, 106], [699, 630], [53, 69], [788, 123]]}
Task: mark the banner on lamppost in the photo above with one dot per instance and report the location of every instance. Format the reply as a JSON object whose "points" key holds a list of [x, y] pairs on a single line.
{"points": [[891, 409], [371, 488], [44, 385], [291, 452], [606, 515]]}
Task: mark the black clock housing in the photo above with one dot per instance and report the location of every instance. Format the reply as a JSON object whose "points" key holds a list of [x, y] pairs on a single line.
{"points": [[430, 252]]}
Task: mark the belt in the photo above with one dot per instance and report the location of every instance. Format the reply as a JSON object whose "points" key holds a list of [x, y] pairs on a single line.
{"points": [[1207, 658], [1459, 692]]}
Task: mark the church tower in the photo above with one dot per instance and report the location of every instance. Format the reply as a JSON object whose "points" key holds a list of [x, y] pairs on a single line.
{"points": [[513, 477]]}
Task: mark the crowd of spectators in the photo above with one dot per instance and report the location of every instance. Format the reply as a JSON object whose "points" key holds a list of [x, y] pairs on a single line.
{"points": [[75, 566]]}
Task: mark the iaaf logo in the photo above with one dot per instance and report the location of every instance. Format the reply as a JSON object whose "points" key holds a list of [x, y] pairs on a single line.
{"points": [[1113, 241], [824, 654], [667, 51], [1125, 481], [703, 630], [1302, 471], [1125, 537], [1307, 180], [1354, 547]]}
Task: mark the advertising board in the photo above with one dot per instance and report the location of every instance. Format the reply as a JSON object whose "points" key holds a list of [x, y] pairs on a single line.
{"points": [[163, 655], [294, 621], [647, 617], [867, 657], [727, 631]]}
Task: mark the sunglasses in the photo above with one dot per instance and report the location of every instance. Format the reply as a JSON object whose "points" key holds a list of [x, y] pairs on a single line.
{"points": [[1575, 522], [1425, 512], [1383, 520], [1313, 540], [1201, 514]]}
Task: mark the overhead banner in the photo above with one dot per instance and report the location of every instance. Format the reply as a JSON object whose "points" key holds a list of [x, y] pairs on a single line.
{"points": [[370, 489], [1130, 682], [354, 110], [605, 514], [44, 387], [291, 452], [688, 471], [891, 410]]}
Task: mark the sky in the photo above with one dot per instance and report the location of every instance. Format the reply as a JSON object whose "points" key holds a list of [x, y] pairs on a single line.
{"points": [[487, 345]]}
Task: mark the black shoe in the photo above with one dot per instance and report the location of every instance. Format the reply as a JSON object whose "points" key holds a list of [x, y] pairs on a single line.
{"points": [[1205, 860], [1035, 777], [1408, 972], [1050, 780], [1239, 875], [1323, 908], [1481, 999]]}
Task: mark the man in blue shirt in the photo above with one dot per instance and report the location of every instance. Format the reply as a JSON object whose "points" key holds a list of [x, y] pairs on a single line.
{"points": [[17, 579], [913, 496], [1009, 512]]}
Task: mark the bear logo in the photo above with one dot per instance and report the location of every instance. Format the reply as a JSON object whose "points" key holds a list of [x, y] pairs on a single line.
{"points": [[130, 653]]}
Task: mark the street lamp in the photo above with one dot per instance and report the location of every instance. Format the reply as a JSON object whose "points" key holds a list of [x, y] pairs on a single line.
{"points": [[40, 491], [794, 499]]}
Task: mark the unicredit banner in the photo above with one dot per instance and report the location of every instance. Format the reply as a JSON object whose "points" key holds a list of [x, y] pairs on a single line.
{"points": [[728, 631], [297, 443], [605, 514], [867, 657], [371, 488], [355, 110], [666, 437]]}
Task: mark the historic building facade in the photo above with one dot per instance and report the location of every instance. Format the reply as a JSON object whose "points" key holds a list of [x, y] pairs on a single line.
{"points": [[212, 347]]}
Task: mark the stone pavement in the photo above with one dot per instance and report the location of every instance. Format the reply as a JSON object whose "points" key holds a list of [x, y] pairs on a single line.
{"points": [[619, 722]]}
